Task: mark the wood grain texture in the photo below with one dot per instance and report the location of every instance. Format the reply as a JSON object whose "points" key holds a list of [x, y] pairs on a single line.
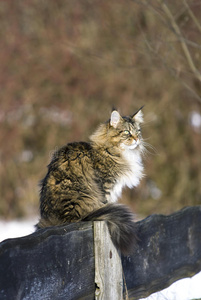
{"points": [[108, 267], [58, 263]]}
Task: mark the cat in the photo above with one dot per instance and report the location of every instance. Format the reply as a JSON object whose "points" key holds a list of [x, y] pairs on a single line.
{"points": [[85, 179]]}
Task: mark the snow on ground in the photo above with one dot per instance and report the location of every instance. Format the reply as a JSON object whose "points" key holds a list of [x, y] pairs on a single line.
{"points": [[16, 228], [184, 289]]}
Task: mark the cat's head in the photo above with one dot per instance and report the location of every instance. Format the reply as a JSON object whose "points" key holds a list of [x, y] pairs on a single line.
{"points": [[121, 132]]}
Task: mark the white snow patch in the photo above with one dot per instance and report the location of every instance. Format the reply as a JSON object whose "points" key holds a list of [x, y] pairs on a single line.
{"points": [[195, 121], [183, 289], [16, 228]]}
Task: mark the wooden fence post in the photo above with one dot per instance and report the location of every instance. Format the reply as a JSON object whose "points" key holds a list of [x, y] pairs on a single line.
{"points": [[108, 267]]}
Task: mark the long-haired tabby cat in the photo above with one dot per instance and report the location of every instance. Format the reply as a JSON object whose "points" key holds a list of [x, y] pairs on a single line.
{"points": [[84, 180]]}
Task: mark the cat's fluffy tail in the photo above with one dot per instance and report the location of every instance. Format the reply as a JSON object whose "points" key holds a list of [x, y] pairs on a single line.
{"points": [[121, 225]]}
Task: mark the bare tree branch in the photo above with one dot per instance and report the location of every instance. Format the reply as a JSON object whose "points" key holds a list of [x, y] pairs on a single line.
{"points": [[174, 72], [183, 44], [193, 17]]}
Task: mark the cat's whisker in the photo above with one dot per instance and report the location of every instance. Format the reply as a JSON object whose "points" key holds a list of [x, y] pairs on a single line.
{"points": [[147, 145], [145, 152], [147, 139]]}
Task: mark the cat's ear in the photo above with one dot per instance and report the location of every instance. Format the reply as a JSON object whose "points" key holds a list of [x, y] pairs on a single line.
{"points": [[138, 115], [115, 118]]}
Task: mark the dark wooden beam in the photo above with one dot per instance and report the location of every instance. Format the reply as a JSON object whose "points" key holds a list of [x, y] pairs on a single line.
{"points": [[169, 249], [58, 263]]}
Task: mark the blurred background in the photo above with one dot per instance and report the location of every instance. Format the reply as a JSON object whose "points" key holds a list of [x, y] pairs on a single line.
{"points": [[65, 64]]}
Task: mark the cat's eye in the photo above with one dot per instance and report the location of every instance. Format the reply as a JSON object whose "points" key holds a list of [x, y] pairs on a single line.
{"points": [[127, 132]]}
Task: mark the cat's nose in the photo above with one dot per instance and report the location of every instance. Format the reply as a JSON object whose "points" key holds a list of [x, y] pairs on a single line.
{"points": [[137, 141]]}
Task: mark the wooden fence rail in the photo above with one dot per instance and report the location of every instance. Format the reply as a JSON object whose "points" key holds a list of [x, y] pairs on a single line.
{"points": [[79, 261]]}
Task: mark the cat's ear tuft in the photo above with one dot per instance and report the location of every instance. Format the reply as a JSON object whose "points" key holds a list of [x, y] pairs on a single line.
{"points": [[138, 115], [115, 118]]}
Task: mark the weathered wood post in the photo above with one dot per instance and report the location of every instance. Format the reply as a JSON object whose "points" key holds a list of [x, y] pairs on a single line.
{"points": [[108, 268]]}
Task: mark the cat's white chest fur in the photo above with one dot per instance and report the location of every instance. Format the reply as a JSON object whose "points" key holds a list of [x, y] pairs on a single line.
{"points": [[132, 176]]}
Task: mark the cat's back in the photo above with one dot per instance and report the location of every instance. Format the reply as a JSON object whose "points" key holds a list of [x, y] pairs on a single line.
{"points": [[70, 167], [70, 153]]}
